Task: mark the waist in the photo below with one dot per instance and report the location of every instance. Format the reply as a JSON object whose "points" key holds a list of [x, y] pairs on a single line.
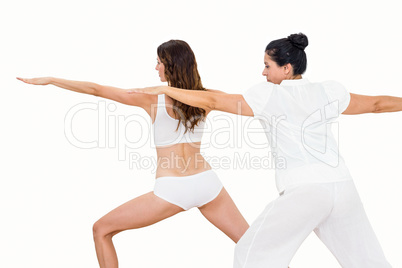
{"points": [[180, 164], [311, 173], [185, 176]]}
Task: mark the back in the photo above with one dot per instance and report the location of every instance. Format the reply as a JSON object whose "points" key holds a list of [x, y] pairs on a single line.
{"points": [[178, 150], [297, 116]]}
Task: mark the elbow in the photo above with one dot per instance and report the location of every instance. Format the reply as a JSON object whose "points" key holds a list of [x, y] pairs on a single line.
{"points": [[96, 90], [380, 105], [377, 109], [211, 103]]}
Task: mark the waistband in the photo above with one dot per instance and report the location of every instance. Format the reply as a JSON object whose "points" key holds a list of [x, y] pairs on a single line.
{"points": [[188, 176]]}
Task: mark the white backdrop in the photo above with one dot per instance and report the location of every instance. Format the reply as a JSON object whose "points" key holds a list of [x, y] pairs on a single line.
{"points": [[52, 190]]}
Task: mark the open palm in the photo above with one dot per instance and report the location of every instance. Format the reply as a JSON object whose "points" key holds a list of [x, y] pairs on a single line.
{"points": [[35, 81]]}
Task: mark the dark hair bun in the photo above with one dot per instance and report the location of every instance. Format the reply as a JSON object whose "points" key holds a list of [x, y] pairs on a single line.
{"points": [[298, 40]]}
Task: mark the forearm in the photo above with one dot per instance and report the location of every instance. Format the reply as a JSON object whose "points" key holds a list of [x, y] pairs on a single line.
{"points": [[387, 104], [197, 98], [77, 86], [211, 100]]}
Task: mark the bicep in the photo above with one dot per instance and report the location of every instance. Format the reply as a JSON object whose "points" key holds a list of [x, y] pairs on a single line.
{"points": [[233, 103], [360, 104]]}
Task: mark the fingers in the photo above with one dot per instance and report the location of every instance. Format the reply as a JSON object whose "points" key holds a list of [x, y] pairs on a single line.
{"points": [[25, 80], [137, 90], [133, 91], [34, 81]]}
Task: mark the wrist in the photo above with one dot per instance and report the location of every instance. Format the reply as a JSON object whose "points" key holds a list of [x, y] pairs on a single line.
{"points": [[50, 80]]}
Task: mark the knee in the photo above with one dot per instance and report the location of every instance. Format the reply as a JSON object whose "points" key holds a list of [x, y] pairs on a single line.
{"points": [[100, 230]]}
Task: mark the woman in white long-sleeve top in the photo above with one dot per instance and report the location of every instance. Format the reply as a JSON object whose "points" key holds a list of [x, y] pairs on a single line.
{"points": [[316, 190]]}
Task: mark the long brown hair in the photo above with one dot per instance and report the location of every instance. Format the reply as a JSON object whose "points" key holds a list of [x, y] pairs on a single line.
{"points": [[181, 72]]}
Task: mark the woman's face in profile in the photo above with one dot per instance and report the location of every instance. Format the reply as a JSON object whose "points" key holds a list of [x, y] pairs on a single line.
{"points": [[161, 70], [274, 73]]}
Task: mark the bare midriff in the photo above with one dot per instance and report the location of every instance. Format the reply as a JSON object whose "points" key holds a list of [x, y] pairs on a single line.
{"points": [[182, 159]]}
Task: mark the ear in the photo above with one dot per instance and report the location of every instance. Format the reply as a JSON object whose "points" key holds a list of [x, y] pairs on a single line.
{"points": [[288, 69]]}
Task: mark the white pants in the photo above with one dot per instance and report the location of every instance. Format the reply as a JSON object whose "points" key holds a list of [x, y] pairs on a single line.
{"points": [[332, 210]]}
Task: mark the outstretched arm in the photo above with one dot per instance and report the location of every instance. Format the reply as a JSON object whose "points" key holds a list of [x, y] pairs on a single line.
{"points": [[208, 100], [112, 93], [360, 104]]}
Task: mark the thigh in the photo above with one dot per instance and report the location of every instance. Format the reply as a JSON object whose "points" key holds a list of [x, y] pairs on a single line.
{"points": [[275, 236], [142, 211], [348, 234], [224, 214]]}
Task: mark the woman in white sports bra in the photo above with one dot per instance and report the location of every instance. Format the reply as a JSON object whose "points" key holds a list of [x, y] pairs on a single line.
{"points": [[180, 185]]}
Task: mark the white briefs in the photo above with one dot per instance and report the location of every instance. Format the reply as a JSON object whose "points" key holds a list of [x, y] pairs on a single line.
{"points": [[189, 191]]}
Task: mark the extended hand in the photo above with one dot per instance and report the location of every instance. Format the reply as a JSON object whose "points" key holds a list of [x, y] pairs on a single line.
{"points": [[36, 81], [147, 90]]}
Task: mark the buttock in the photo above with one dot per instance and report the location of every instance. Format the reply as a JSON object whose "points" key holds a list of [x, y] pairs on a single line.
{"points": [[189, 191]]}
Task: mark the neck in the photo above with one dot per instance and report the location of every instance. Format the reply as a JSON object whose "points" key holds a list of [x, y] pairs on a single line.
{"points": [[298, 76]]}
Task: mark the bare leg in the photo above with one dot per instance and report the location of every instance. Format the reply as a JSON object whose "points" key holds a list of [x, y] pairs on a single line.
{"points": [[223, 213], [142, 211]]}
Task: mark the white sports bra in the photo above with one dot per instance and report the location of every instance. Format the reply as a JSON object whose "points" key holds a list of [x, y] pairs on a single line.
{"points": [[165, 126]]}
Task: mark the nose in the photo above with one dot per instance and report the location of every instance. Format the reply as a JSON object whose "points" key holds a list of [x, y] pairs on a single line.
{"points": [[264, 73]]}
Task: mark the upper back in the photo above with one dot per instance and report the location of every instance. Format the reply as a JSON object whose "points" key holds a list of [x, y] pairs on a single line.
{"points": [[168, 130], [298, 116], [300, 101]]}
